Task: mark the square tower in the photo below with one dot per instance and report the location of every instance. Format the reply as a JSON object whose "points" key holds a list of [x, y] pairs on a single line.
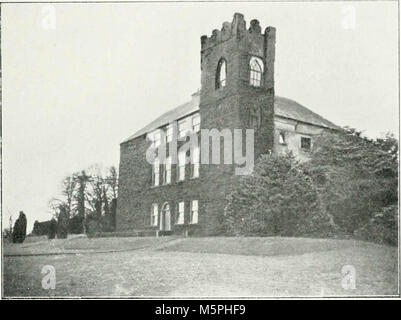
{"points": [[237, 80], [237, 92]]}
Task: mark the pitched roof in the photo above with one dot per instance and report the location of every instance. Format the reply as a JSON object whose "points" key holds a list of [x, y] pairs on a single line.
{"points": [[287, 108], [283, 107]]}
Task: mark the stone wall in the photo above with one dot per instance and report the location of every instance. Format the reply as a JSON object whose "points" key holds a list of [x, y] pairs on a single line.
{"points": [[228, 107]]}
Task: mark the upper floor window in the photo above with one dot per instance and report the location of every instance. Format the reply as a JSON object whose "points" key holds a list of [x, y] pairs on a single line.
{"points": [[281, 138], [169, 133], [255, 117], [167, 171], [196, 122], [156, 138], [181, 166], [155, 172], [154, 215], [183, 127], [306, 143], [254, 121], [221, 74], [195, 161], [256, 73]]}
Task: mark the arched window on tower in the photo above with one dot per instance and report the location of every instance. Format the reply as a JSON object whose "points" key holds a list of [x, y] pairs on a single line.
{"points": [[256, 73], [221, 74]]}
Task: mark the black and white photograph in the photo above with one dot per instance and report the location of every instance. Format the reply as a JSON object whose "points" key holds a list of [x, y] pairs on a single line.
{"points": [[200, 150]]}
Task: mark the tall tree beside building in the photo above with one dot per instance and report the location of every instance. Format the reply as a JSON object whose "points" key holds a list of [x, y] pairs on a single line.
{"points": [[356, 177], [62, 222], [82, 180], [19, 230]]}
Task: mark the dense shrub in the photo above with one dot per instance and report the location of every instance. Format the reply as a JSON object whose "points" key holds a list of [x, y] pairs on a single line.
{"points": [[123, 234], [355, 177], [41, 228], [93, 227], [19, 230], [382, 227], [52, 229], [277, 199]]}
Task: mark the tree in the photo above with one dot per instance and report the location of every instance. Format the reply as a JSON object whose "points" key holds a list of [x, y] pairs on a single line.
{"points": [[19, 230], [63, 222], [355, 176], [82, 180], [68, 189], [88, 195], [110, 197], [277, 199], [112, 181]]}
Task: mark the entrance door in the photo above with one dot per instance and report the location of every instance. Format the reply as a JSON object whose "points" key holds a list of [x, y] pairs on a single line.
{"points": [[165, 224]]}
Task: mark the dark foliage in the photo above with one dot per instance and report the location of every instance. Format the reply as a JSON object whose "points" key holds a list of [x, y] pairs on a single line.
{"points": [[356, 177], [277, 199], [76, 225], [52, 229], [62, 223], [41, 228], [382, 227], [19, 230]]}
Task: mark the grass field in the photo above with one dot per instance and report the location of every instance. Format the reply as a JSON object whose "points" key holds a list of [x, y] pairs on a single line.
{"points": [[199, 267]]}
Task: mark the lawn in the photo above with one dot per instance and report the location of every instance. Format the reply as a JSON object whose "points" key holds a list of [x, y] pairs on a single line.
{"points": [[200, 267]]}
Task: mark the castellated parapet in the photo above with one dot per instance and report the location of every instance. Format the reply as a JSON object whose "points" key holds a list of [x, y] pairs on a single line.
{"points": [[237, 28]]}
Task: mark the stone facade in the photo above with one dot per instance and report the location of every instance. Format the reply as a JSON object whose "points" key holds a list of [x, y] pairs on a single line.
{"points": [[232, 106]]}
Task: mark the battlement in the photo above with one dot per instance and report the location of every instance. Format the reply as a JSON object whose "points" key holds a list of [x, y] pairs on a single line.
{"points": [[236, 28]]}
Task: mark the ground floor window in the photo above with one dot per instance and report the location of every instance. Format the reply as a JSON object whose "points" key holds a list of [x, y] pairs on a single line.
{"points": [[180, 213], [194, 211], [154, 215]]}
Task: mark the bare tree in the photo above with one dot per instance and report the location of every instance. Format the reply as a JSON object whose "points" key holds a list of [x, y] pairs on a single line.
{"points": [[69, 186], [81, 180]]}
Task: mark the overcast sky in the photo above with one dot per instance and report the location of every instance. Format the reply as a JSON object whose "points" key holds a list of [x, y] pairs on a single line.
{"points": [[72, 93]]}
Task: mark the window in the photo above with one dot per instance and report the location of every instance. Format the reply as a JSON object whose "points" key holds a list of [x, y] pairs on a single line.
{"points": [[194, 211], [155, 172], [154, 215], [221, 74], [254, 121], [156, 139], [196, 122], [306, 143], [255, 115], [167, 171], [281, 138], [169, 133], [181, 166], [180, 213], [195, 162], [182, 127], [256, 65]]}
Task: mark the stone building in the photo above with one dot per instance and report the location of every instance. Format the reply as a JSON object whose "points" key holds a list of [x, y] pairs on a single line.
{"points": [[237, 92]]}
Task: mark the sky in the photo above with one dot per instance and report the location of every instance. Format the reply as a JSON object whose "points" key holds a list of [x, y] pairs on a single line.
{"points": [[80, 78]]}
